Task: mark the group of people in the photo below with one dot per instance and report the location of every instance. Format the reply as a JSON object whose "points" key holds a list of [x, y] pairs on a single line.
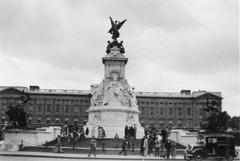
{"points": [[129, 139], [153, 143], [158, 146], [156, 143]]}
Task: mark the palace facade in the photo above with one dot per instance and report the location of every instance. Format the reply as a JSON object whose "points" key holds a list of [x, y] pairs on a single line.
{"points": [[56, 107]]}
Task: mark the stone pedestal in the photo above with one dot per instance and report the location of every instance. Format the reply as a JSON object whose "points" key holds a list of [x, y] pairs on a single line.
{"points": [[113, 102], [14, 137], [113, 119]]}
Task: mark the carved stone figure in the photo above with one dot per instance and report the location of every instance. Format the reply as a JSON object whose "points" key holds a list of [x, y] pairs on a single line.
{"points": [[119, 46], [96, 118], [114, 93], [133, 98], [116, 25], [130, 119]]}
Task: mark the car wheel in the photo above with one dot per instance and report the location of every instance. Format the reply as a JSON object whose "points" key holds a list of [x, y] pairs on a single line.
{"points": [[198, 156]]}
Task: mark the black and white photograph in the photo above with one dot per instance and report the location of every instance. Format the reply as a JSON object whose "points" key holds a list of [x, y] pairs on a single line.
{"points": [[119, 80]]}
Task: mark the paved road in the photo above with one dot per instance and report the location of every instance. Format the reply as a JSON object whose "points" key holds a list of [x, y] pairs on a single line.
{"points": [[19, 158], [23, 158]]}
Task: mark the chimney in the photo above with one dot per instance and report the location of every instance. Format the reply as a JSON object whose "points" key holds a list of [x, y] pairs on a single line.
{"points": [[185, 92], [34, 88]]}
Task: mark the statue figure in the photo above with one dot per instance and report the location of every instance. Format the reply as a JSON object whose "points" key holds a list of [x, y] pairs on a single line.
{"points": [[17, 114], [113, 93], [132, 97], [115, 27], [130, 119], [117, 44], [94, 99]]}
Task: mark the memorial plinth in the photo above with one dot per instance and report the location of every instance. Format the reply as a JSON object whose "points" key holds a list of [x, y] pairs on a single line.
{"points": [[113, 102]]}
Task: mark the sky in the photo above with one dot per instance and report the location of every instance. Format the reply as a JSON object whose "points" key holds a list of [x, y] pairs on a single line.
{"points": [[171, 44]]}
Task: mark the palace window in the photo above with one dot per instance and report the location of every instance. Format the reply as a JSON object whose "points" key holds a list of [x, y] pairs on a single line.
{"points": [[170, 111], [75, 121], [3, 119], [189, 111], [39, 108], [143, 110], [152, 111], [201, 111], [48, 121], [39, 120], [30, 107], [29, 120], [48, 108], [75, 109], [57, 108], [161, 124], [161, 111], [67, 109], [179, 112], [179, 124], [57, 121]]}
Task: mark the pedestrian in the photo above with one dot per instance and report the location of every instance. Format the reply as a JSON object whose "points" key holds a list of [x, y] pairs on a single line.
{"points": [[116, 137], [126, 131], [124, 146], [150, 145], [157, 146], [173, 150], [69, 137], [87, 131], [145, 146], [135, 130], [132, 143], [101, 135], [58, 146], [168, 148], [162, 152], [93, 146], [141, 146]]}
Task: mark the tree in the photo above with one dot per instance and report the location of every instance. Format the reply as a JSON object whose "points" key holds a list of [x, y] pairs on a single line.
{"points": [[215, 120], [234, 123]]}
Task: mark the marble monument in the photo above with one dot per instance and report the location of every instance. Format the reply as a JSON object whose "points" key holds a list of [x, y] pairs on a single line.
{"points": [[113, 103]]}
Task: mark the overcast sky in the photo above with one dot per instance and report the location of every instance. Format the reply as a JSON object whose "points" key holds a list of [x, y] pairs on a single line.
{"points": [[171, 44]]}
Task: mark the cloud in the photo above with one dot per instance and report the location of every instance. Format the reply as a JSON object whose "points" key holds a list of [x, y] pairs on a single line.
{"points": [[171, 44]]}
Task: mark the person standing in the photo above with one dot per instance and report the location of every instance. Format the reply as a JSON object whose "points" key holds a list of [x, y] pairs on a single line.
{"points": [[93, 146], [101, 135], [116, 137], [93, 132], [168, 148], [124, 146], [74, 139], [157, 147], [87, 131], [58, 146], [141, 146], [145, 146], [173, 150], [162, 152]]}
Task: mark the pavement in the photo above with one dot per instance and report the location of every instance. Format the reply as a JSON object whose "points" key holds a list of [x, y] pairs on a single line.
{"points": [[81, 156], [85, 156]]}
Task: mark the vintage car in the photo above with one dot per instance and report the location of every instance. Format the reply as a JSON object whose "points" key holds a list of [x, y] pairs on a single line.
{"points": [[212, 146]]}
